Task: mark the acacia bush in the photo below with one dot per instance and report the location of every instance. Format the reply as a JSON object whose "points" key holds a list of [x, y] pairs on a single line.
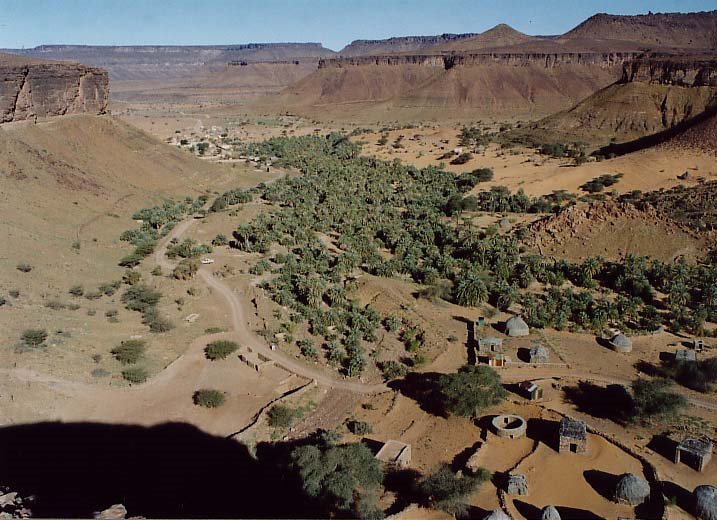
{"points": [[359, 427], [220, 349], [34, 337], [281, 416], [135, 374], [130, 351], [208, 398], [445, 490], [470, 390]]}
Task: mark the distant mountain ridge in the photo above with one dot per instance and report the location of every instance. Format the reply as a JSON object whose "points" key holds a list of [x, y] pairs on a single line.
{"points": [[172, 61], [398, 44]]}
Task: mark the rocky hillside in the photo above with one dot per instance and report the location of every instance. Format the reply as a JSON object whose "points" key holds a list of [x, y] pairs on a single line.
{"points": [[678, 30], [34, 88], [654, 94], [153, 62]]}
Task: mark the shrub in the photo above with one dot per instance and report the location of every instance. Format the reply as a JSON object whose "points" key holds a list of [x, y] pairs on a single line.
{"points": [[208, 398], [444, 490], [220, 349], [132, 277], [307, 349], [55, 305], [462, 158], [14, 293], [652, 398], [129, 352], [76, 290], [3, 301], [281, 416], [34, 337], [157, 271], [24, 267], [213, 330], [94, 295], [393, 370], [359, 427], [186, 269], [100, 372], [135, 374], [140, 297], [392, 323], [155, 322]]}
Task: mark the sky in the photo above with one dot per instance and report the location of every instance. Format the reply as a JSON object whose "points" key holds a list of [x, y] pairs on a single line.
{"points": [[335, 23]]}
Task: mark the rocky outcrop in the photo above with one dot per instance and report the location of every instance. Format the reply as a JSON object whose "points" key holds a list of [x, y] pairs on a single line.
{"points": [[50, 89], [448, 61], [684, 71]]}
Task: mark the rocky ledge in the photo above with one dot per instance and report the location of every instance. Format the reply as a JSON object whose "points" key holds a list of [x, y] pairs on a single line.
{"points": [[41, 89]]}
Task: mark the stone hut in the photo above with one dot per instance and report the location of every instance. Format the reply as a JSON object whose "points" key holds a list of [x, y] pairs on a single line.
{"points": [[698, 345], [572, 436], [696, 453], [621, 343], [705, 502], [490, 345], [686, 355], [395, 453], [516, 327], [549, 513], [497, 514], [531, 390], [631, 489], [517, 485], [539, 354]]}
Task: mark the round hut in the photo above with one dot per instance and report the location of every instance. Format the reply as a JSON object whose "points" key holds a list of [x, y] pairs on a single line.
{"points": [[549, 513], [516, 326], [497, 514], [621, 343], [632, 490], [539, 354], [706, 502]]}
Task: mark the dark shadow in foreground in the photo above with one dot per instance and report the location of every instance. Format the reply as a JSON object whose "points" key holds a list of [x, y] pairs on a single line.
{"points": [[170, 470]]}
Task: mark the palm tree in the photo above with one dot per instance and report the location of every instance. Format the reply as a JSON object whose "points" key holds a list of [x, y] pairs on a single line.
{"points": [[471, 290]]}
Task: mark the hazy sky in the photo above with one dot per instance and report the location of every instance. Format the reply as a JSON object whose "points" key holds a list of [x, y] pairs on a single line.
{"points": [[26, 23]]}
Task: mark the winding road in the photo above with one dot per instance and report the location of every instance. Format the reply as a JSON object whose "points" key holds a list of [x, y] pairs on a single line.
{"points": [[247, 338]]}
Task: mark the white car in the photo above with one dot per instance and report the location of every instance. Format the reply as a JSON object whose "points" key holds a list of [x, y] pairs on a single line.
{"points": [[207, 260]]}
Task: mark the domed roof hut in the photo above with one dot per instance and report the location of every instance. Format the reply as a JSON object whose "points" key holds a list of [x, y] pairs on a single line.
{"points": [[621, 343], [631, 489], [549, 513], [497, 514], [706, 502], [516, 326]]}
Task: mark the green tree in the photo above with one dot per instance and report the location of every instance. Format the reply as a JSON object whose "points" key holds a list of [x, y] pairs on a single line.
{"points": [[444, 490], [34, 337], [471, 390], [208, 398], [220, 349], [470, 290]]}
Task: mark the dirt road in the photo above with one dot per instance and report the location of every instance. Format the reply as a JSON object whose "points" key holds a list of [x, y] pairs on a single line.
{"points": [[246, 337]]}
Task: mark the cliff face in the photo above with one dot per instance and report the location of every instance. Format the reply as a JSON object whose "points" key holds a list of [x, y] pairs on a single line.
{"points": [[50, 89], [448, 61], [685, 72]]}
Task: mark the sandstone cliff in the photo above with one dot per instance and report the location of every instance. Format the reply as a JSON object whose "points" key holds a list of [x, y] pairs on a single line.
{"points": [[31, 88]]}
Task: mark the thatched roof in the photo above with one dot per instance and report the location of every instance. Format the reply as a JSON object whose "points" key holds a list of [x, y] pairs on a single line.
{"points": [[549, 513], [539, 351], [516, 326], [706, 502], [632, 489], [497, 514]]}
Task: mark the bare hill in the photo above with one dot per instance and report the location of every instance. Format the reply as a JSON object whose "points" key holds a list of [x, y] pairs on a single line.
{"points": [[700, 137], [614, 230], [679, 30], [500, 36], [79, 179], [422, 90]]}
